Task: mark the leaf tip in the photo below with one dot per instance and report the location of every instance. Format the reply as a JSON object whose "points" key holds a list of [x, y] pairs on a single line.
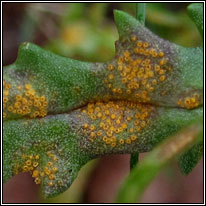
{"points": [[195, 12], [125, 23]]}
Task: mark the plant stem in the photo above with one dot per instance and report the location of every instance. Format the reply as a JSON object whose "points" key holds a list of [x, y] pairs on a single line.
{"points": [[140, 15], [140, 12], [134, 159]]}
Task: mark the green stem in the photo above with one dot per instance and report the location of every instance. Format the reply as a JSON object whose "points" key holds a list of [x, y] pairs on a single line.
{"points": [[140, 12], [140, 15], [134, 160]]}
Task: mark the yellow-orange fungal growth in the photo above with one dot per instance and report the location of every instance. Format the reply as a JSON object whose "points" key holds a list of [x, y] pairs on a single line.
{"points": [[47, 171], [54, 169], [110, 67], [5, 99], [37, 180], [49, 164], [92, 134], [18, 97], [51, 177], [126, 53], [146, 44], [28, 86], [6, 93], [154, 54], [128, 141], [51, 184], [133, 38], [120, 67], [121, 141], [92, 127], [189, 102], [111, 76], [42, 174], [31, 157], [113, 144], [55, 158], [139, 44], [99, 114], [163, 61], [143, 124], [43, 98], [99, 133], [133, 137], [35, 164], [8, 86], [118, 116], [28, 162], [109, 133], [154, 82], [161, 71], [113, 139], [139, 68], [124, 125], [162, 78], [138, 128], [4, 115], [35, 173], [32, 165], [113, 116], [24, 168], [85, 126], [161, 54], [104, 138], [25, 103]]}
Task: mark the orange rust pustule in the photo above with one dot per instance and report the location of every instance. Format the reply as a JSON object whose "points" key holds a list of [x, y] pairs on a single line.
{"points": [[25, 102], [33, 165], [138, 70], [108, 121], [190, 101]]}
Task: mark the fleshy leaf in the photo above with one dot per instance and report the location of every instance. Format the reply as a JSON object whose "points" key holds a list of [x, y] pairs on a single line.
{"points": [[145, 69], [59, 113], [189, 159], [168, 83], [46, 83], [195, 12], [54, 148], [46, 148]]}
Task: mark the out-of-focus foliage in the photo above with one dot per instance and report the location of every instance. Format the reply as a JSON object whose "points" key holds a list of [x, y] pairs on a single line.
{"points": [[190, 158], [93, 31], [157, 159]]}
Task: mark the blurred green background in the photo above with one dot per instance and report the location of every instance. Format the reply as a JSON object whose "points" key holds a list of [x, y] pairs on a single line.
{"points": [[86, 31]]}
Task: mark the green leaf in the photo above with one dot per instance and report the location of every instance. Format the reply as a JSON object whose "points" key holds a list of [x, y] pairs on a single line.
{"points": [[68, 141], [190, 158], [146, 171], [59, 113], [186, 63], [163, 78], [195, 12], [63, 83], [46, 148]]}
